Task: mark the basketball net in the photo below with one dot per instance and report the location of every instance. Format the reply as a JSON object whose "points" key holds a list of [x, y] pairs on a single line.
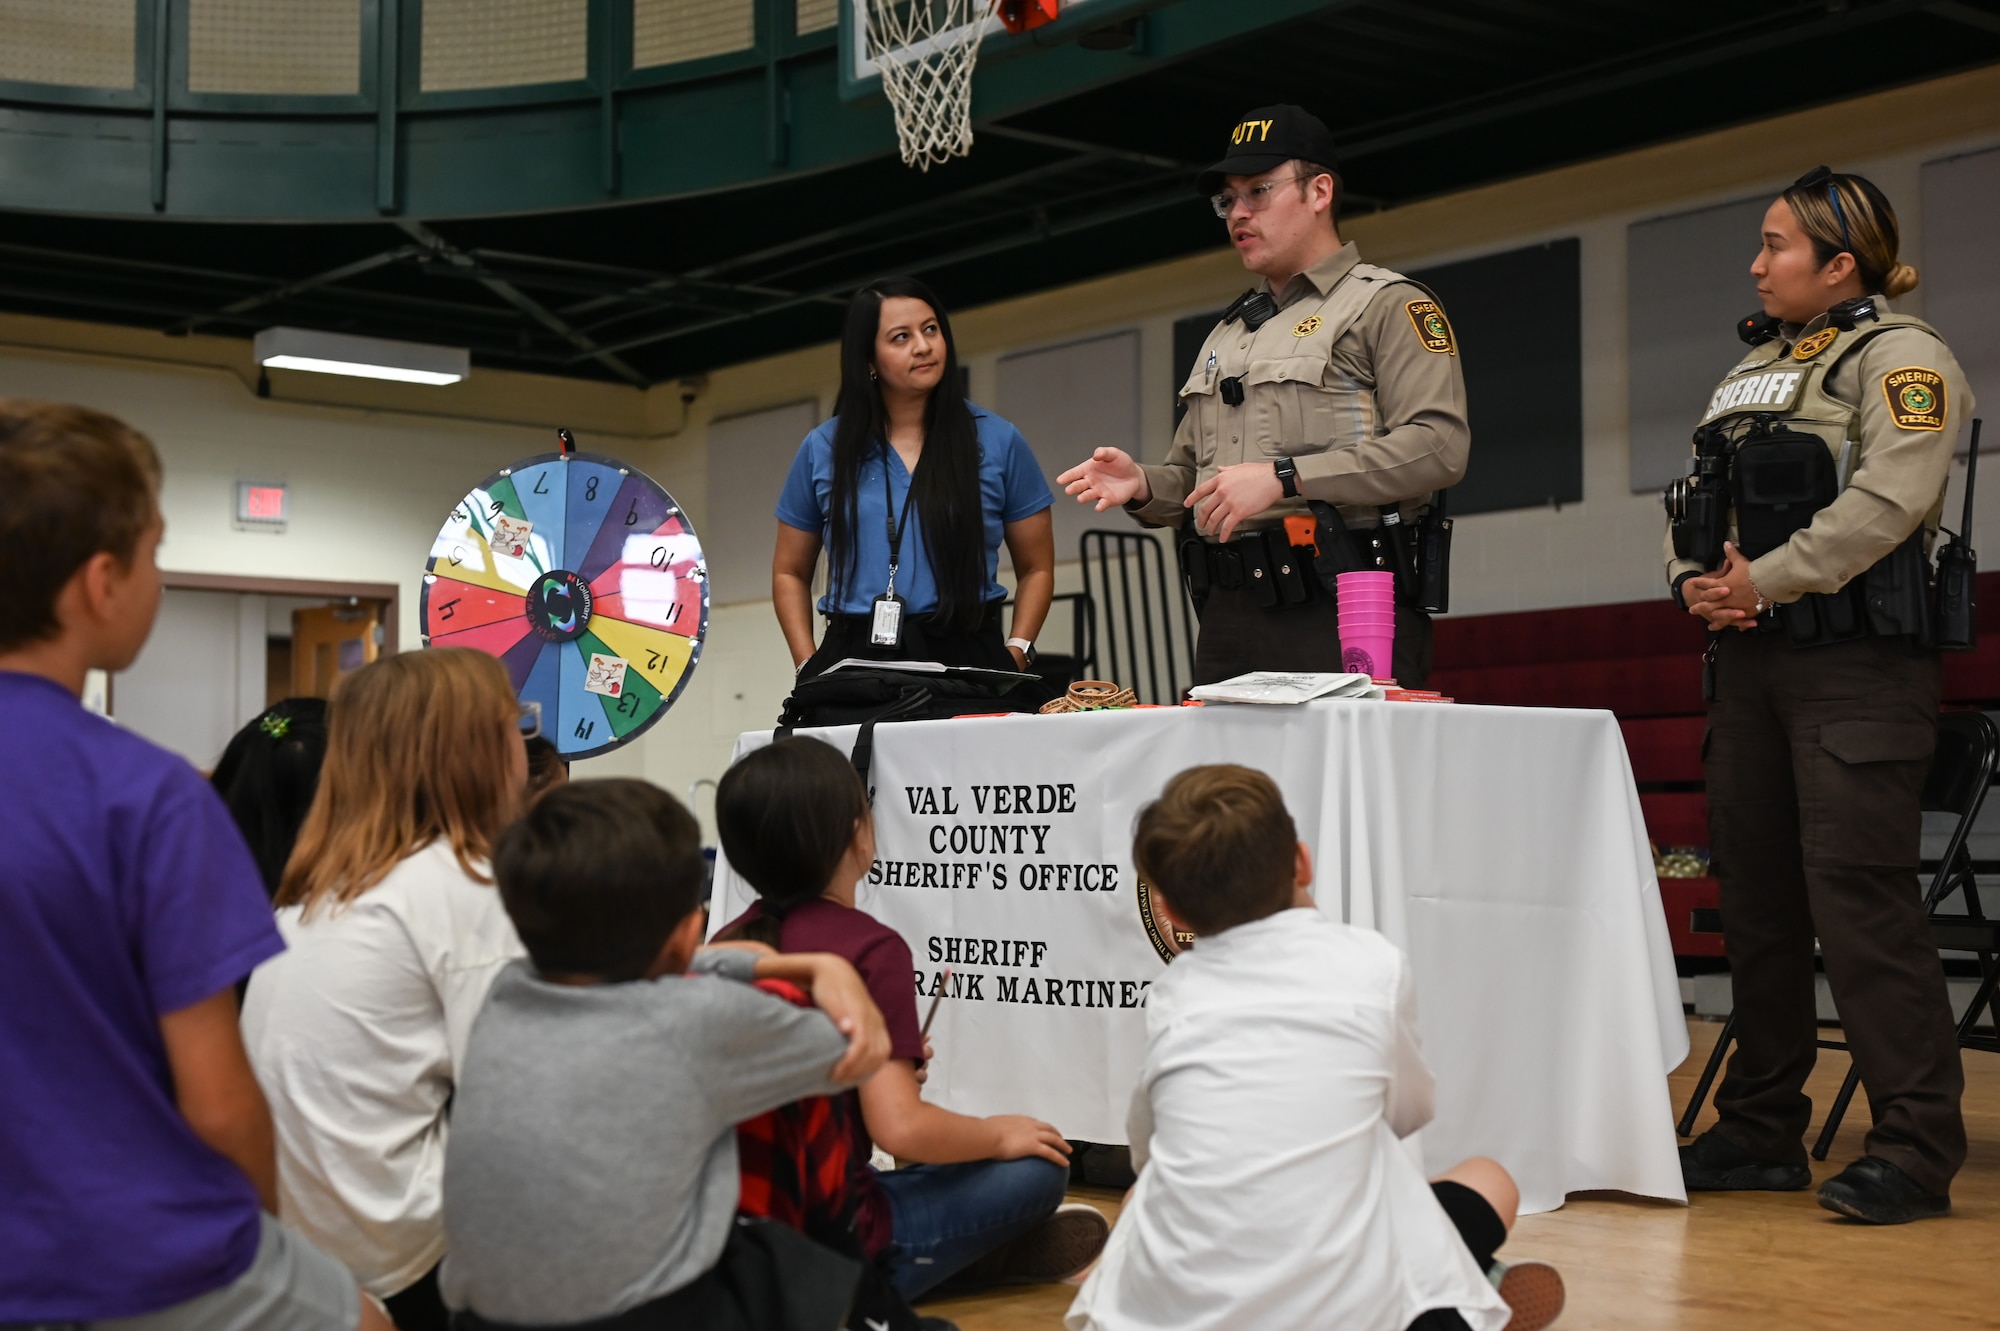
{"points": [[926, 50]]}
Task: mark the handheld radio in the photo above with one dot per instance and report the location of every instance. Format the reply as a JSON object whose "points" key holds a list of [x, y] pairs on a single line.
{"points": [[1957, 571]]}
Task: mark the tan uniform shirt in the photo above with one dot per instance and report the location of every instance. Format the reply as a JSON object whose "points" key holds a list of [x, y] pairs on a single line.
{"points": [[1372, 415], [1896, 483]]}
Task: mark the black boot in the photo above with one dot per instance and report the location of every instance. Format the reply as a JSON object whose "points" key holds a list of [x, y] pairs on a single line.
{"points": [[1874, 1190], [1713, 1163]]}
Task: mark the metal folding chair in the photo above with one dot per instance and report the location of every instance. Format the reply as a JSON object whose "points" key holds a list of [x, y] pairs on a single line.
{"points": [[1968, 751], [1145, 626]]}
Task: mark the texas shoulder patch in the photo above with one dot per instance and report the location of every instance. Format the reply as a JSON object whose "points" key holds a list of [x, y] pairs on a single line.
{"points": [[1433, 329], [1916, 398]]}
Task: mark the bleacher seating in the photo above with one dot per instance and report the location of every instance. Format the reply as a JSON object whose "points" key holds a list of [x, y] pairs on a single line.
{"points": [[1642, 662]]}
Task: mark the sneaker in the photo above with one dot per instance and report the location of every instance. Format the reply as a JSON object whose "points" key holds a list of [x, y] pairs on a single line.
{"points": [[1874, 1190], [1713, 1163], [1062, 1246], [1534, 1290]]}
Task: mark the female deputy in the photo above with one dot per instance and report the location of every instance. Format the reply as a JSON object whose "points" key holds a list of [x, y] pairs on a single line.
{"points": [[900, 589], [1837, 430]]}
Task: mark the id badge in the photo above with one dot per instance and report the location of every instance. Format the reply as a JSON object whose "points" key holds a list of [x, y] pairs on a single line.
{"points": [[887, 629]]}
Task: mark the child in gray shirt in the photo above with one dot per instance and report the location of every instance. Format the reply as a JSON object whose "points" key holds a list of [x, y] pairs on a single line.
{"points": [[591, 1167]]}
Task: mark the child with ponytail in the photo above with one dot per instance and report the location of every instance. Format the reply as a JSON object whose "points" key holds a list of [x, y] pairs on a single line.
{"points": [[980, 1199]]}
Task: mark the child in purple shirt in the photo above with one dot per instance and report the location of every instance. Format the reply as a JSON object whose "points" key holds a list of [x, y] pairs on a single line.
{"points": [[135, 1147]]}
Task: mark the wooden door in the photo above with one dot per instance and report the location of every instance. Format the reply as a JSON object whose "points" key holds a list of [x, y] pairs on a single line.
{"points": [[329, 641]]}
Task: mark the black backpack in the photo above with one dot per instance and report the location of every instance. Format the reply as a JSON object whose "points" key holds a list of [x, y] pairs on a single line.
{"points": [[859, 695]]}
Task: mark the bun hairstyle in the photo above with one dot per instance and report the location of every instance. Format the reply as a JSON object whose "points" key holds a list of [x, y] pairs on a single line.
{"points": [[786, 816], [1862, 224]]}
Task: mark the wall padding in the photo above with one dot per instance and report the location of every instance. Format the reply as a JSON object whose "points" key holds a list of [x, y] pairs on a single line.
{"points": [[74, 43], [504, 43], [296, 48]]}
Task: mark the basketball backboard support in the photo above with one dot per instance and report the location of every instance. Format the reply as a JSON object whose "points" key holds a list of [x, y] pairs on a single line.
{"points": [[861, 77]]}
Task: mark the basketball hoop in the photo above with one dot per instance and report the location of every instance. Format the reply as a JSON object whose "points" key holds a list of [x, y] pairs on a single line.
{"points": [[926, 51]]}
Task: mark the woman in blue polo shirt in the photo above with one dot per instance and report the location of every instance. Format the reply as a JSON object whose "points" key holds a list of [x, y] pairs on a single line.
{"points": [[904, 587]]}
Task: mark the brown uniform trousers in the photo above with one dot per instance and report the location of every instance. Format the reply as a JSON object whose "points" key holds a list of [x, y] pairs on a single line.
{"points": [[1815, 759], [1238, 636]]}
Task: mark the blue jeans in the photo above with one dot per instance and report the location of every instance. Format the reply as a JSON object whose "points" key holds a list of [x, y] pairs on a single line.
{"points": [[949, 1216]]}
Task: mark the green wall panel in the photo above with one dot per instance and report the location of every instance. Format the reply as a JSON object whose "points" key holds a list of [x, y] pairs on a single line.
{"points": [[53, 161], [268, 169]]}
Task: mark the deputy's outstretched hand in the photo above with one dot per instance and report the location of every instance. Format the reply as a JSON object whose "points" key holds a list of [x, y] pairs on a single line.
{"points": [[1109, 478]]}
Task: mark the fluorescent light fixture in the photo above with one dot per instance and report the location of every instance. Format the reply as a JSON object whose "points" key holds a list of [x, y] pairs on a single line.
{"points": [[361, 357]]}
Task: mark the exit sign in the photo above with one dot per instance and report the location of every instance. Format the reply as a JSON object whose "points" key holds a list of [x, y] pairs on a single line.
{"points": [[261, 506]]}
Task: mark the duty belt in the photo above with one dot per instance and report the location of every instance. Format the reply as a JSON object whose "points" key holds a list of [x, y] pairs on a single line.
{"points": [[1279, 572], [1890, 599]]}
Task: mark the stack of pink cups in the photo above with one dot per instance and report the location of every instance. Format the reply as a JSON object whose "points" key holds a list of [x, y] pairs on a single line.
{"points": [[1367, 623]]}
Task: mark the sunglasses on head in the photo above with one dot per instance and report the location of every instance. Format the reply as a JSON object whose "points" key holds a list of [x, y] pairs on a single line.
{"points": [[1824, 175]]}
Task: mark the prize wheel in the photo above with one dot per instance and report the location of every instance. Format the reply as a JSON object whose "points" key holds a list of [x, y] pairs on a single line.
{"points": [[583, 576]]}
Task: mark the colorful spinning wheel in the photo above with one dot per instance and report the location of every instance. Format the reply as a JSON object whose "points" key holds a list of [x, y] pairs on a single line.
{"points": [[583, 576]]}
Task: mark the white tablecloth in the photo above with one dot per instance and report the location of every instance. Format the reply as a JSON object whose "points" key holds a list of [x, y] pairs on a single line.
{"points": [[1501, 848]]}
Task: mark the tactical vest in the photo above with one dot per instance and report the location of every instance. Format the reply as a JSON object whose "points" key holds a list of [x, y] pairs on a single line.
{"points": [[1289, 390], [1786, 381]]}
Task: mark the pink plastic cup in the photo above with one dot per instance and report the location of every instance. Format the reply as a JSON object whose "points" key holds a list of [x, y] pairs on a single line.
{"points": [[1352, 620], [1370, 656], [1369, 586], [1381, 613]]}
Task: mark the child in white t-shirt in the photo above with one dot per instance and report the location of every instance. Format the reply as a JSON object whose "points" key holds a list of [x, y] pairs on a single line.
{"points": [[1281, 1070]]}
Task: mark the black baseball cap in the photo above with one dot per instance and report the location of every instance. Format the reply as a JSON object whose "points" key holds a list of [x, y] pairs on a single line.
{"points": [[1267, 138]]}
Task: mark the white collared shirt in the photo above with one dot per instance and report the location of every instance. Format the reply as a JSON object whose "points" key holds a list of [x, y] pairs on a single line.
{"points": [[1281, 1067]]}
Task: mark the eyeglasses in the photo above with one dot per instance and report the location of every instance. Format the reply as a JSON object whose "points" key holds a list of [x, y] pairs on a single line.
{"points": [[531, 720], [1822, 174], [1257, 198]]}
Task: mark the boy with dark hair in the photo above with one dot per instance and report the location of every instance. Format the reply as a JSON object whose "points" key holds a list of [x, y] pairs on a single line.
{"points": [[136, 1154], [591, 1170], [1281, 1067]]}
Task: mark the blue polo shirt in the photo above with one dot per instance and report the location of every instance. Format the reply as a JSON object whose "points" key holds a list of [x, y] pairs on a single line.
{"points": [[1011, 487]]}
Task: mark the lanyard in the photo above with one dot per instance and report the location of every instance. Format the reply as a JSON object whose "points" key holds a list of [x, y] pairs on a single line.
{"points": [[891, 521]]}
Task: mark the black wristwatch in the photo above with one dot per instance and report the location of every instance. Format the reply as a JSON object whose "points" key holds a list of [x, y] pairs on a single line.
{"points": [[1288, 476]]}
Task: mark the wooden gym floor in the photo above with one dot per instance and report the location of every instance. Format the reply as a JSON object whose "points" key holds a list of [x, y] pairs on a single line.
{"points": [[1727, 1260]]}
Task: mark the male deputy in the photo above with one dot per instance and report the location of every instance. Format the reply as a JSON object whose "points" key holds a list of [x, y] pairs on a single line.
{"points": [[1337, 382]]}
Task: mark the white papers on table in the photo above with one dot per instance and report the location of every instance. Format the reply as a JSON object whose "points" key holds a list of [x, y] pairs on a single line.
{"points": [[1284, 686]]}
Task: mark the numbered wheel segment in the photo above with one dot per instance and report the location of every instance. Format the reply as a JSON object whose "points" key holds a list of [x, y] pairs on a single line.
{"points": [[583, 576]]}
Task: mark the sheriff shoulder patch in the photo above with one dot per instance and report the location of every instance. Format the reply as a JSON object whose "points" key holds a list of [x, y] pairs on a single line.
{"points": [[1916, 398], [1306, 327], [1433, 329], [1811, 346]]}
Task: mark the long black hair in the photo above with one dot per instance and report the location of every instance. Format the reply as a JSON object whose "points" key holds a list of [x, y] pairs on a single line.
{"points": [[786, 814], [945, 485], [267, 777]]}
